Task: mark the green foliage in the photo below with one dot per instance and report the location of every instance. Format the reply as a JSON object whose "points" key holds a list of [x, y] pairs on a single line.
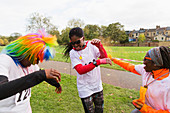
{"points": [[155, 40], [115, 32], [14, 36], [59, 40], [124, 37], [103, 30], [65, 36], [141, 38], [6, 42], [4, 37], [91, 31], [105, 41], [1, 42], [45, 100]]}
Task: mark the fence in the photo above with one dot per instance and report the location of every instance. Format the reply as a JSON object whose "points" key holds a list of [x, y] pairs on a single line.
{"points": [[147, 44]]}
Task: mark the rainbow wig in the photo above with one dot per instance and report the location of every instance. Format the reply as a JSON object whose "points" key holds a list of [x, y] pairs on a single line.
{"points": [[32, 46]]}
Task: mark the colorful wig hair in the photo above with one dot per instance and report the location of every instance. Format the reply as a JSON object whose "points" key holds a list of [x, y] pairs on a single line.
{"points": [[32, 46]]}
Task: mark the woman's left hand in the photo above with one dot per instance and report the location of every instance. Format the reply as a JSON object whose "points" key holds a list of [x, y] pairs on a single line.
{"points": [[137, 104], [96, 42]]}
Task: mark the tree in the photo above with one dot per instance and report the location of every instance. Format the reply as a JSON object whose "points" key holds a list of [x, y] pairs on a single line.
{"points": [[91, 31], [102, 30], [38, 21], [14, 36], [65, 36], [141, 38], [115, 32], [1, 42], [75, 23], [6, 42], [123, 37]]}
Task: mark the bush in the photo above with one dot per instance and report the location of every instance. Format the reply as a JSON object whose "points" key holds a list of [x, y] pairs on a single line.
{"points": [[155, 40]]}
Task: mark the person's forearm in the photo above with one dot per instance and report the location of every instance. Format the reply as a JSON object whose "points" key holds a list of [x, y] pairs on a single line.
{"points": [[103, 53], [53, 82], [148, 109], [127, 66], [12, 87], [82, 69]]}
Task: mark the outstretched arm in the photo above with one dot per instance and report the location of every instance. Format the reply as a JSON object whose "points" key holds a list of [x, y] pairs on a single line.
{"points": [[82, 69], [10, 88], [127, 66]]}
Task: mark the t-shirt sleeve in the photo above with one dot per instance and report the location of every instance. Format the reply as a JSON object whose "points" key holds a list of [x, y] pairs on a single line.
{"points": [[140, 69], [95, 50], [74, 59], [5, 62], [36, 67]]}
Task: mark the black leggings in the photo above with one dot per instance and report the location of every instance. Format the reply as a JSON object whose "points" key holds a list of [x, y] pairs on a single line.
{"points": [[98, 100]]}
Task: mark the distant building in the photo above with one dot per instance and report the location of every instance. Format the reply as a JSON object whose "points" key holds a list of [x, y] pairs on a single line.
{"points": [[133, 35], [158, 33]]}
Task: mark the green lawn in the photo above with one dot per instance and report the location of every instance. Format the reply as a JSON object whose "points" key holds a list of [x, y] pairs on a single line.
{"points": [[45, 100]]}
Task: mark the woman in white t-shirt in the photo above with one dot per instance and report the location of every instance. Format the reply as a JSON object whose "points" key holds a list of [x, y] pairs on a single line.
{"points": [[19, 71], [84, 58], [155, 89]]}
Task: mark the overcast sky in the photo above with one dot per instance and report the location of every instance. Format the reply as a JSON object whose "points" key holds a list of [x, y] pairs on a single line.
{"points": [[133, 14]]}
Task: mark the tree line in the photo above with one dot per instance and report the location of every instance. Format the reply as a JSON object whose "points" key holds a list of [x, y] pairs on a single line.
{"points": [[113, 33]]}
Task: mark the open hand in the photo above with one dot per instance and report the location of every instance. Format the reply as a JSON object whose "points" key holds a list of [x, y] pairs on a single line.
{"points": [[53, 74]]}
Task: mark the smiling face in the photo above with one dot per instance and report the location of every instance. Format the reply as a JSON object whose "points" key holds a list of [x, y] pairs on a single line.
{"points": [[150, 65], [77, 42]]}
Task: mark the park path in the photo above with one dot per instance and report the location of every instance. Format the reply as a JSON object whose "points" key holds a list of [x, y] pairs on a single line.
{"points": [[110, 76]]}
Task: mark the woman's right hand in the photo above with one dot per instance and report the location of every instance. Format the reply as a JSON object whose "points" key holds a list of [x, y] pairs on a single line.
{"points": [[105, 61], [53, 74], [58, 90]]}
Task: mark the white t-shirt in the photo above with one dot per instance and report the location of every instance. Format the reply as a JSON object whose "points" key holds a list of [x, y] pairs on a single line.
{"points": [[89, 82], [19, 103], [158, 92]]}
